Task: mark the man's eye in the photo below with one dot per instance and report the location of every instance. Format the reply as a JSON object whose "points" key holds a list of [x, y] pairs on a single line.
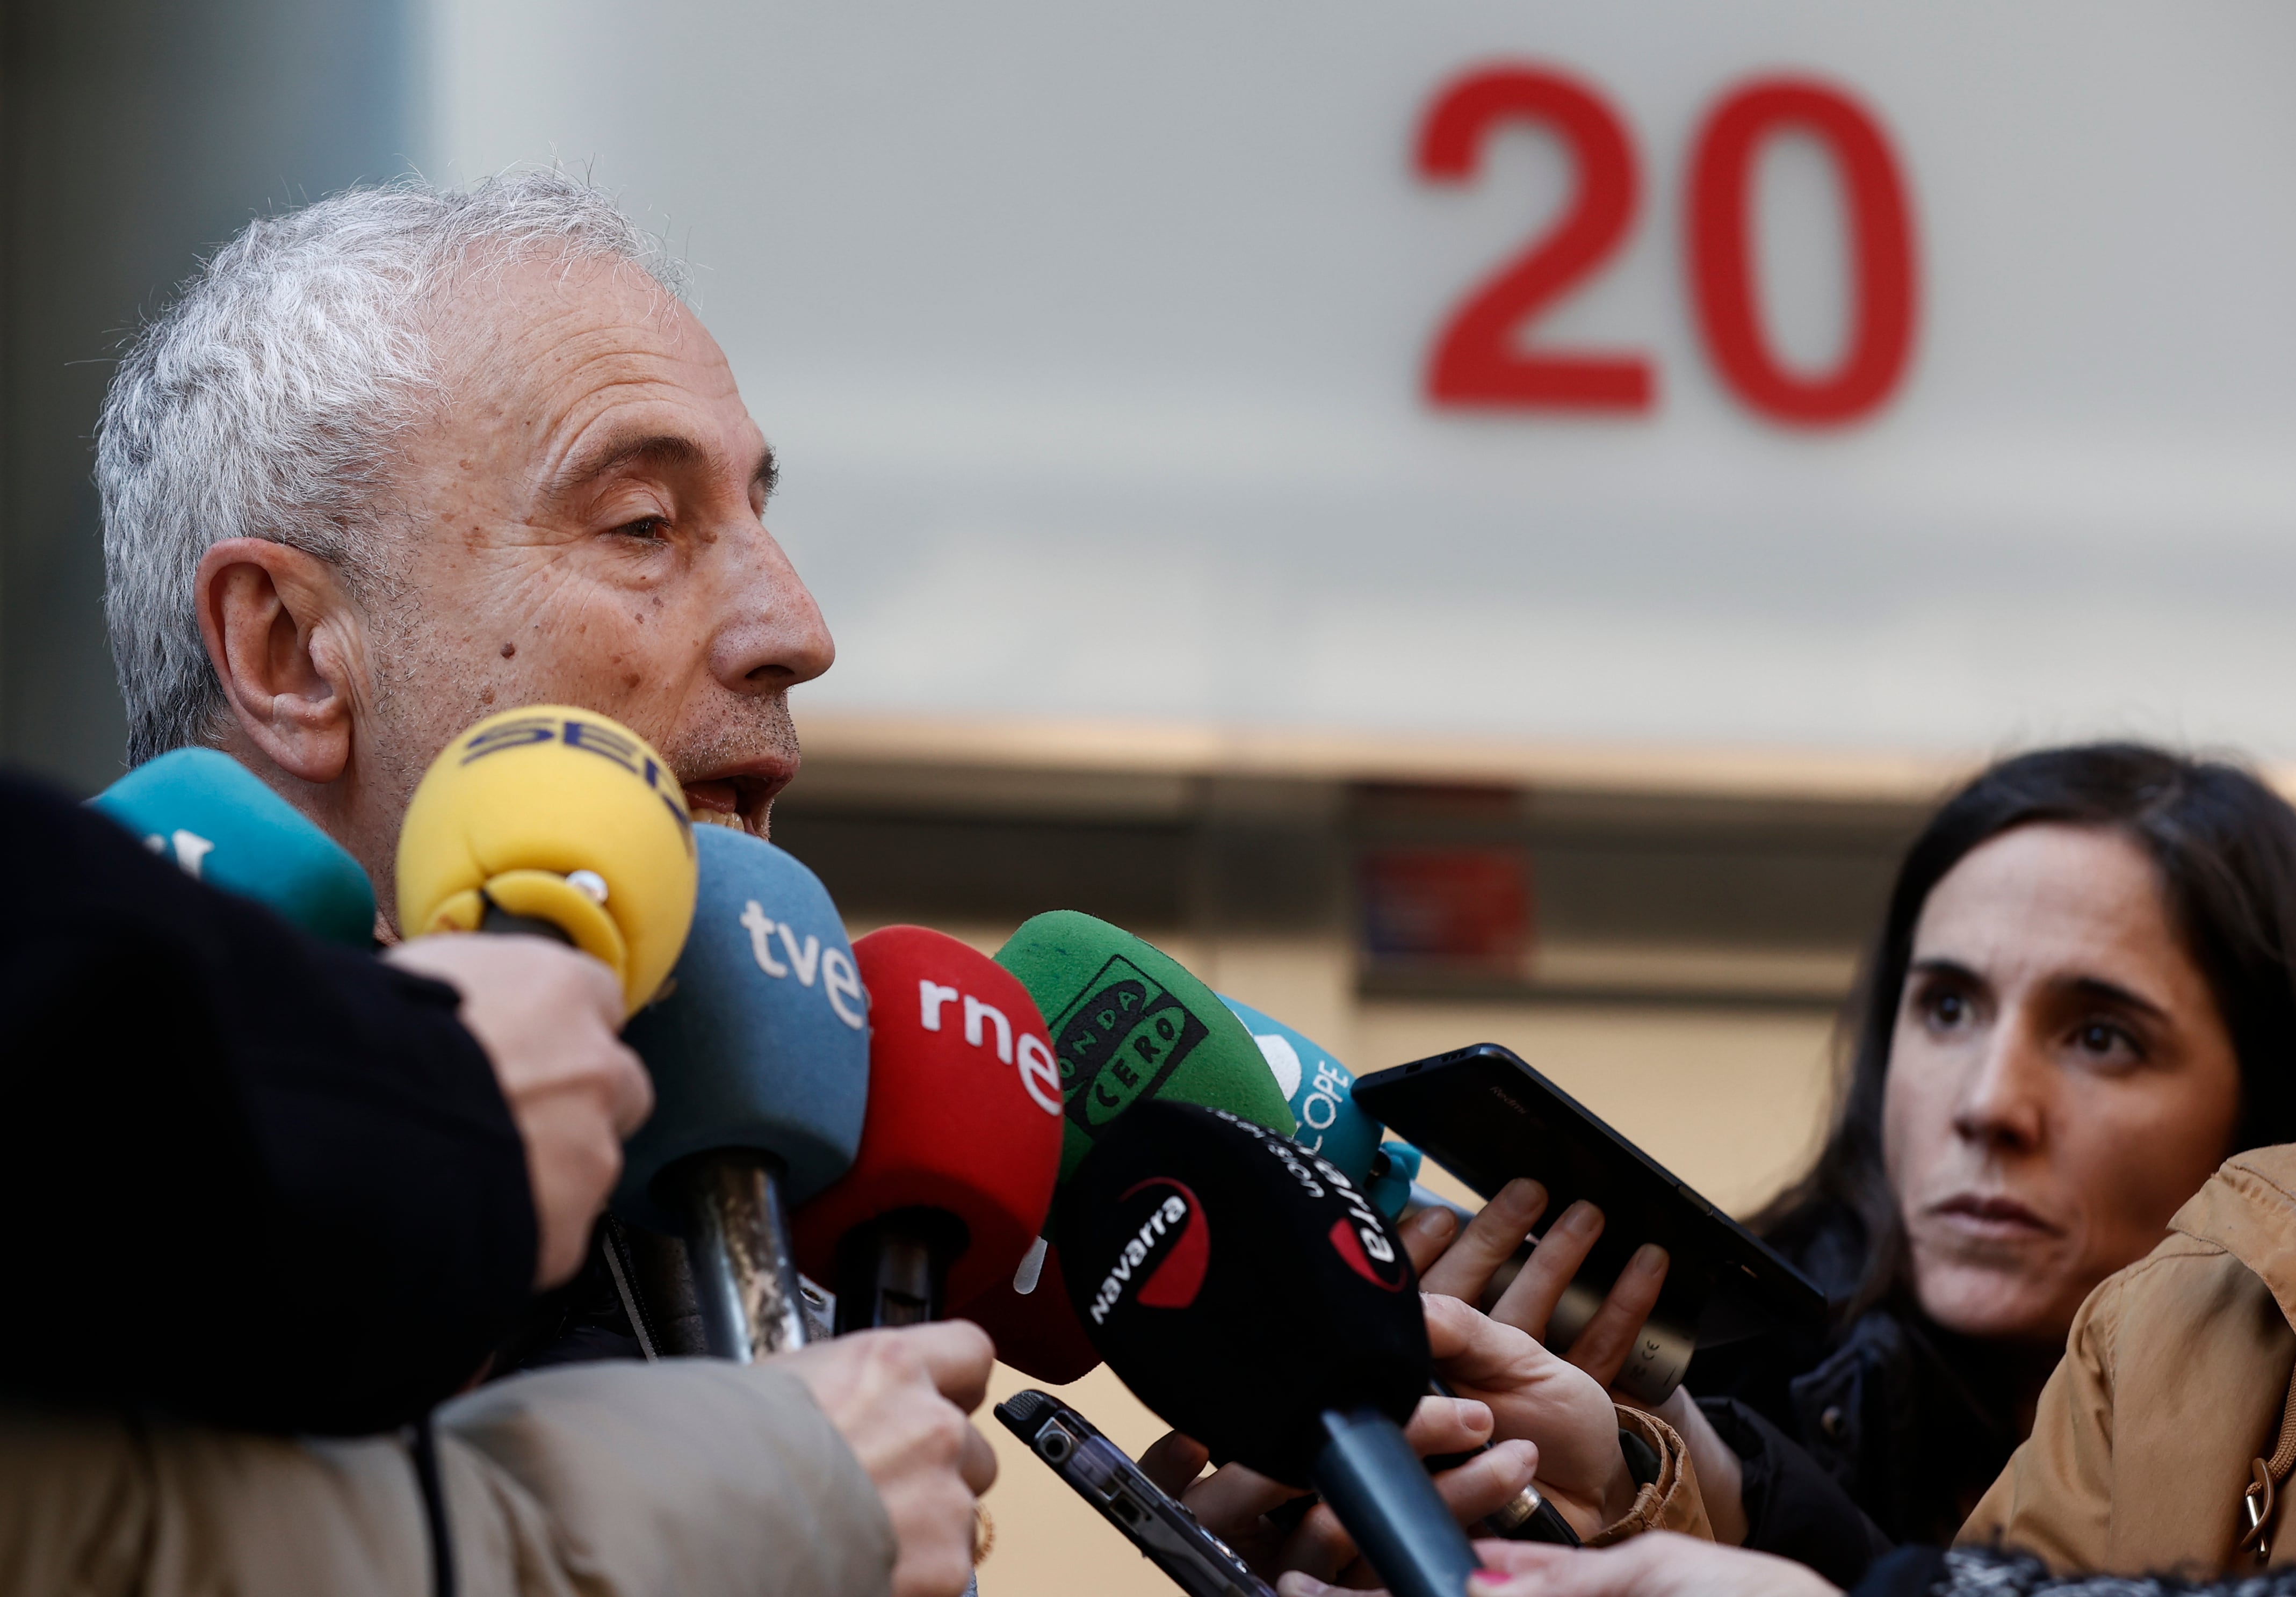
{"points": [[652, 528]]}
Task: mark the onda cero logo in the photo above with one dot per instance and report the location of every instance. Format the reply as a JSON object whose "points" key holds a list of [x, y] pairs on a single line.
{"points": [[1118, 1042], [1167, 1253]]}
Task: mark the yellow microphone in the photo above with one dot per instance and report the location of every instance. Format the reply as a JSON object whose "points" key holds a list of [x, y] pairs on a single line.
{"points": [[559, 821]]}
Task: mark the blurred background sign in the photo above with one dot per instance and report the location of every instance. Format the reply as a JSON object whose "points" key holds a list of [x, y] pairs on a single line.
{"points": [[1463, 520], [1915, 376], [1656, 374]]}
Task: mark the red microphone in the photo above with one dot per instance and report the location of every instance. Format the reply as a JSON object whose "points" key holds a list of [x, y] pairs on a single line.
{"points": [[1036, 1331], [960, 1143]]}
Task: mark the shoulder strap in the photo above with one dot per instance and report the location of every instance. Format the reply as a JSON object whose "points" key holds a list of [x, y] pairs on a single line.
{"points": [[2264, 1476]]}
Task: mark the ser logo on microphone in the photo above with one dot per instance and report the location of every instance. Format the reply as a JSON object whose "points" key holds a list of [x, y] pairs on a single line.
{"points": [[1167, 1254], [1034, 1060], [1119, 1041], [591, 738]]}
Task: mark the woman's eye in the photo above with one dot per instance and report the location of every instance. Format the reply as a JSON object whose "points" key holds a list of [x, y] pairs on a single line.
{"points": [[1948, 1009], [2101, 1039]]}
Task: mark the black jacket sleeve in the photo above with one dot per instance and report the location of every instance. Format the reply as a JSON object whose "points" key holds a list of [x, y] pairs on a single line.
{"points": [[1794, 1507], [1916, 1571], [248, 1178]]}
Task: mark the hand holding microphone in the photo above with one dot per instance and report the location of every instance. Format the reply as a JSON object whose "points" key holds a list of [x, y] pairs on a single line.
{"points": [[900, 1399], [1247, 1292], [563, 826], [548, 1020]]}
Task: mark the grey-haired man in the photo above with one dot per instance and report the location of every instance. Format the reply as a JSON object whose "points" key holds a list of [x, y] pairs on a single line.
{"points": [[402, 456]]}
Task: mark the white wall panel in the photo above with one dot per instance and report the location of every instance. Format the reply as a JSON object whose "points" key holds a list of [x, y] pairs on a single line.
{"points": [[1092, 336]]}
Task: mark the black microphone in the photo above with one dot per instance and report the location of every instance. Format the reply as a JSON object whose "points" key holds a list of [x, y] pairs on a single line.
{"points": [[1249, 1293]]}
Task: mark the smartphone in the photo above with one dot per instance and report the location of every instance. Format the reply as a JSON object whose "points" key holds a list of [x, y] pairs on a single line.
{"points": [[1167, 1534], [1487, 1117]]}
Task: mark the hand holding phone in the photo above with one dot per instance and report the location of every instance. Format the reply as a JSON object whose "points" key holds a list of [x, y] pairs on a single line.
{"points": [[1488, 1118], [1166, 1533]]}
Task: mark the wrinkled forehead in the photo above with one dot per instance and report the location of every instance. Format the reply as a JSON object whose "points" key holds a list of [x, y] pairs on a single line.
{"points": [[530, 335]]}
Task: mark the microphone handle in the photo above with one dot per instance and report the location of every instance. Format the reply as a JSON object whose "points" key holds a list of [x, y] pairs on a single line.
{"points": [[744, 1269], [737, 1227], [499, 922], [894, 1270], [1381, 1492]]}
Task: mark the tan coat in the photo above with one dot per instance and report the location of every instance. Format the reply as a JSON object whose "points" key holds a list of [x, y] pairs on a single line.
{"points": [[1671, 1502], [2174, 1382], [689, 1478]]}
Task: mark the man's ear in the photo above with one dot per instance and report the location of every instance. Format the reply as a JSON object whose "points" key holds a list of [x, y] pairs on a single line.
{"points": [[282, 635]]}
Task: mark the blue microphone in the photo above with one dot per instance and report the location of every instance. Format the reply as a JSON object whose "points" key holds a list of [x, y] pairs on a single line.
{"points": [[759, 1054], [220, 824], [1321, 1092]]}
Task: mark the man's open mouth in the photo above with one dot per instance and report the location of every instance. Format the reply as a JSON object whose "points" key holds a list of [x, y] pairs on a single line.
{"points": [[743, 799]]}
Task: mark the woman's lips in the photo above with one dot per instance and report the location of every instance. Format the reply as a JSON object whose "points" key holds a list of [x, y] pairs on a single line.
{"points": [[1991, 1214]]}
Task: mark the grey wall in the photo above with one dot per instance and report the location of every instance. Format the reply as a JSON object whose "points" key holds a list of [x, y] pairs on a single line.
{"points": [[134, 135]]}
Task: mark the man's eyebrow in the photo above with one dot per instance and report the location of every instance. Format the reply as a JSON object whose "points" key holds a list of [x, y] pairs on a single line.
{"points": [[660, 450], [653, 450]]}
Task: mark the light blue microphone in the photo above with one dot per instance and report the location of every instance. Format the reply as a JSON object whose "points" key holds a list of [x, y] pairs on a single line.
{"points": [[759, 1054], [216, 821], [1321, 1094]]}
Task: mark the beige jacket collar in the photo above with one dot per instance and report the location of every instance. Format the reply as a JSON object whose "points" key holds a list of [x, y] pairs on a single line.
{"points": [[2249, 1210]]}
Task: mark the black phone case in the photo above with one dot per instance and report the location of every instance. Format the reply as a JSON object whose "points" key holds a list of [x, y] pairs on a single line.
{"points": [[1167, 1534], [1487, 1117]]}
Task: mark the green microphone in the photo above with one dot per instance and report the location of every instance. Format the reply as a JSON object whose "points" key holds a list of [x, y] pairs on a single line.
{"points": [[1128, 1026]]}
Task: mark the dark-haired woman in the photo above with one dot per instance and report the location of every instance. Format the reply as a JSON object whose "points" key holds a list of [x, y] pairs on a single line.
{"points": [[2083, 998]]}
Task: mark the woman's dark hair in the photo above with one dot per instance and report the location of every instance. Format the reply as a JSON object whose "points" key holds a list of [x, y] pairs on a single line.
{"points": [[2225, 845]]}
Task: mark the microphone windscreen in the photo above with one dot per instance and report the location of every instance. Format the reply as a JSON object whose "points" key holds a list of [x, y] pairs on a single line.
{"points": [[556, 815], [1130, 1024], [1035, 1333], [1240, 1285], [761, 1041], [965, 1109], [1320, 1090], [215, 819]]}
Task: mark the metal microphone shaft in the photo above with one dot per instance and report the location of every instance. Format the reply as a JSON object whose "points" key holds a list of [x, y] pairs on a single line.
{"points": [[744, 1276]]}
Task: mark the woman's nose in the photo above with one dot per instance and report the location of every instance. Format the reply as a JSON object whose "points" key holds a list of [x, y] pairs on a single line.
{"points": [[2002, 1102]]}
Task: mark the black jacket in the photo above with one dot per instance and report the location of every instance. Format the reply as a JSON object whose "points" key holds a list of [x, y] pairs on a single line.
{"points": [[1906, 1420], [252, 1178]]}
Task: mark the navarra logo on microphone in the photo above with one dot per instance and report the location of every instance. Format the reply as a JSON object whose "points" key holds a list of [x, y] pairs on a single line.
{"points": [[1035, 1057], [840, 983], [1119, 1041], [1167, 1255], [592, 738], [1359, 1237]]}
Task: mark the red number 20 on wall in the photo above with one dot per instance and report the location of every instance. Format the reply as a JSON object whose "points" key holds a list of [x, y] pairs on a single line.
{"points": [[1477, 362]]}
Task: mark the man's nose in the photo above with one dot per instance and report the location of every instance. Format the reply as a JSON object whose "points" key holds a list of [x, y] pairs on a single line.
{"points": [[2003, 1100], [772, 636]]}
